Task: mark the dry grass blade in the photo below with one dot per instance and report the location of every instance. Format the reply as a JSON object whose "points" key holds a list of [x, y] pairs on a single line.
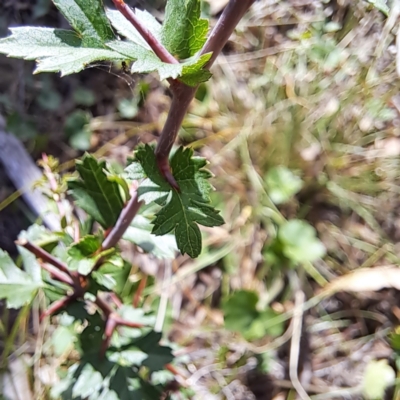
{"points": [[364, 280]]}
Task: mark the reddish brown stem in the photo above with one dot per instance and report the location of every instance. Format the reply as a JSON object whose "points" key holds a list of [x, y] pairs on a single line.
{"points": [[104, 307], [44, 255], [183, 94], [112, 321], [162, 53], [124, 322], [109, 313], [111, 324], [182, 97], [166, 172], [116, 300], [225, 26], [58, 275], [124, 220], [56, 306]]}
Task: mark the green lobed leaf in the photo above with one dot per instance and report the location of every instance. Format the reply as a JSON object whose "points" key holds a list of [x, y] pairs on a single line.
{"points": [[16, 286], [77, 129], [182, 211], [299, 241], [162, 377], [94, 193], [193, 74], [88, 381], [241, 315], [88, 18], [62, 340], [139, 233], [91, 338], [102, 379], [184, 32], [282, 184], [93, 40], [240, 310], [262, 326], [128, 108], [378, 376], [56, 50], [129, 386], [156, 355], [146, 60], [61, 50], [114, 272], [84, 254], [190, 72], [104, 281], [115, 376]]}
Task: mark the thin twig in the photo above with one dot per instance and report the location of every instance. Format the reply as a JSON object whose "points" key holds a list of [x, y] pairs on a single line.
{"points": [[129, 324], [111, 324], [110, 313], [162, 53], [44, 255], [124, 220], [226, 24], [57, 274], [183, 94], [182, 97], [57, 305], [116, 300], [295, 345], [104, 306], [112, 321]]}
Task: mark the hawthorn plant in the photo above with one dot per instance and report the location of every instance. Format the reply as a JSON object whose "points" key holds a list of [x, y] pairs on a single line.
{"points": [[80, 268]]}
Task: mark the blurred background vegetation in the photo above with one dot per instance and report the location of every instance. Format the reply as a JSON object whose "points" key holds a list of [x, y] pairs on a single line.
{"points": [[301, 125]]}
